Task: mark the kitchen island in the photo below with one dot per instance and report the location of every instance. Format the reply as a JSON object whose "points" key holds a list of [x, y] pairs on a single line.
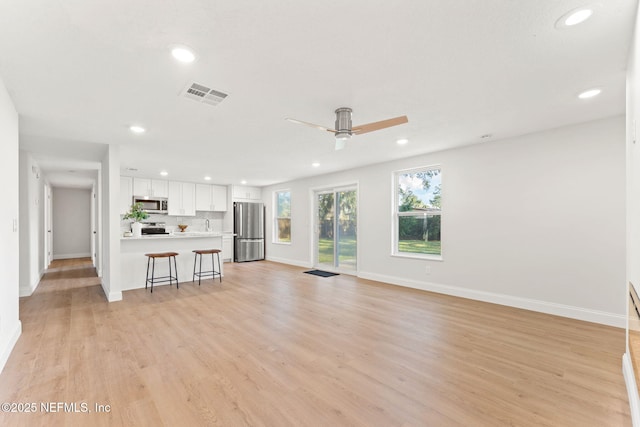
{"points": [[134, 263]]}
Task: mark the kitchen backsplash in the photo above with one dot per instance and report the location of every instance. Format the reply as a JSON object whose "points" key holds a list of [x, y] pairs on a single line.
{"points": [[195, 223]]}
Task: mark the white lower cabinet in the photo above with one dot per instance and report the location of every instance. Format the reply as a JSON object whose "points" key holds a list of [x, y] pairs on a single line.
{"points": [[182, 198], [227, 248]]}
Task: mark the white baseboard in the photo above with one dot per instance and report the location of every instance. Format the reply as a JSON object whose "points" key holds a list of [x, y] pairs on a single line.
{"points": [[303, 264], [70, 256], [8, 348], [563, 310], [632, 389], [111, 296], [115, 296], [28, 291]]}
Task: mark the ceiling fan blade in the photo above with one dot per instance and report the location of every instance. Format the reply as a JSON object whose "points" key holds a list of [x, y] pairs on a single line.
{"points": [[370, 127], [300, 122]]}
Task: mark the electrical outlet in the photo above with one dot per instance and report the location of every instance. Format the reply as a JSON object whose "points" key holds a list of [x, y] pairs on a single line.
{"points": [[427, 269]]}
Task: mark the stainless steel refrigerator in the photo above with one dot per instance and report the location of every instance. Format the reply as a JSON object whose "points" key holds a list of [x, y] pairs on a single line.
{"points": [[248, 225]]}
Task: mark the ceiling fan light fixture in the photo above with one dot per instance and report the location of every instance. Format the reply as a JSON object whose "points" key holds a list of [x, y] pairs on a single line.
{"points": [[343, 136], [344, 128]]}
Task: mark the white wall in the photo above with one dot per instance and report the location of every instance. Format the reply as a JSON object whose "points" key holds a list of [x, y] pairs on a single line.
{"points": [[633, 159], [110, 206], [10, 326], [535, 222], [633, 203], [71, 210], [31, 224]]}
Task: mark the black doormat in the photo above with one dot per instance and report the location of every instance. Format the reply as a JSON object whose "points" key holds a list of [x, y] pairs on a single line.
{"points": [[321, 273]]}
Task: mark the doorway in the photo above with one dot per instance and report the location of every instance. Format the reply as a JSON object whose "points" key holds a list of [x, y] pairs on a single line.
{"points": [[336, 226], [48, 234]]}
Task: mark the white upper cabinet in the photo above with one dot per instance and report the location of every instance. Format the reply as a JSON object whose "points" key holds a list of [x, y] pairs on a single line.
{"points": [[150, 187], [241, 192], [211, 198], [182, 198], [126, 194], [219, 198]]}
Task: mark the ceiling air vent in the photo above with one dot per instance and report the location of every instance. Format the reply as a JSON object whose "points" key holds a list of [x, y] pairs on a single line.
{"points": [[202, 93]]}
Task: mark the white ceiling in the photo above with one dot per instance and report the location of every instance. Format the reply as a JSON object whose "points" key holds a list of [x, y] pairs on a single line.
{"points": [[80, 72]]}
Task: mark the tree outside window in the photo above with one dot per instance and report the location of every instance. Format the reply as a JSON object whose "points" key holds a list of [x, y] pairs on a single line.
{"points": [[282, 226], [418, 212]]}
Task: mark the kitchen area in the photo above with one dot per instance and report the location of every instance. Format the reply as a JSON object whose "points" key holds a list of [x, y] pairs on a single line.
{"points": [[185, 216]]}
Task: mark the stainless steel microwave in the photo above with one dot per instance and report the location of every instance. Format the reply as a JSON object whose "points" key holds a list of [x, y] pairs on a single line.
{"points": [[153, 205]]}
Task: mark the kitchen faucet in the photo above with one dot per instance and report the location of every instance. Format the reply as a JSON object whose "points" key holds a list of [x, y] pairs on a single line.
{"points": [[206, 222]]}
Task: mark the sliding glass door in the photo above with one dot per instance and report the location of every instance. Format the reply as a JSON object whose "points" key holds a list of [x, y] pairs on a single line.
{"points": [[336, 229]]}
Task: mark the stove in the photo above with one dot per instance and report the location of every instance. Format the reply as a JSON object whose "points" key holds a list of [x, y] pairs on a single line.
{"points": [[154, 228]]}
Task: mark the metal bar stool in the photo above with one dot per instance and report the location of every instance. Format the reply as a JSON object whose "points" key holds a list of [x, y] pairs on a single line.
{"points": [[162, 279], [213, 273]]}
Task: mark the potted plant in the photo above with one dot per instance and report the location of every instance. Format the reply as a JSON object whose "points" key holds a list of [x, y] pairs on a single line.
{"points": [[137, 214]]}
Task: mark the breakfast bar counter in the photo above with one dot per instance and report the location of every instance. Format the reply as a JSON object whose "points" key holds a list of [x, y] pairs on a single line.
{"points": [[134, 262]]}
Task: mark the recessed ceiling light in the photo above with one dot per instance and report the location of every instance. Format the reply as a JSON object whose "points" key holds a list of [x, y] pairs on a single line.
{"points": [[136, 129], [589, 93], [131, 169], [243, 182], [207, 178], [402, 141], [578, 16], [574, 17], [164, 173], [183, 54], [315, 164]]}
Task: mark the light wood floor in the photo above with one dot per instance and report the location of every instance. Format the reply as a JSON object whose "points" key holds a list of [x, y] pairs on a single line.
{"points": [[271, 346]]}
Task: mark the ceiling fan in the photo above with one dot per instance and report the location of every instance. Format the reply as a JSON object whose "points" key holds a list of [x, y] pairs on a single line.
{"points": [[343, 129]]}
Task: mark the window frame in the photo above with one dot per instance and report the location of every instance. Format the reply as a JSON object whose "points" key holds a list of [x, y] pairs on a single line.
{"points": [[396, 215], [276, 227]]}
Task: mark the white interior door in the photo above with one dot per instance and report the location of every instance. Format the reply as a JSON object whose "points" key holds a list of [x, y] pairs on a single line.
{"points": [[93, 225], [48, 232]]}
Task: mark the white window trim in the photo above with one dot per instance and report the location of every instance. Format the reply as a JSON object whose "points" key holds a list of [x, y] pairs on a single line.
{"points": [[274, 234], [395, 214]]}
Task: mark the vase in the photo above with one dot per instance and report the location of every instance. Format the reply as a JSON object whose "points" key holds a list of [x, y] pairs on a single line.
{"points": [[136, 228]]}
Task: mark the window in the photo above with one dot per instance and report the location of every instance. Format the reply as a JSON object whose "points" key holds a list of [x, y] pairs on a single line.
{"points": [[282, 226], [417, 211]]}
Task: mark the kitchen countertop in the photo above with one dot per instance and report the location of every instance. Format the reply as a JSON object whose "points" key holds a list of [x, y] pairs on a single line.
{"points": [[180, 235], [134, 262]]}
